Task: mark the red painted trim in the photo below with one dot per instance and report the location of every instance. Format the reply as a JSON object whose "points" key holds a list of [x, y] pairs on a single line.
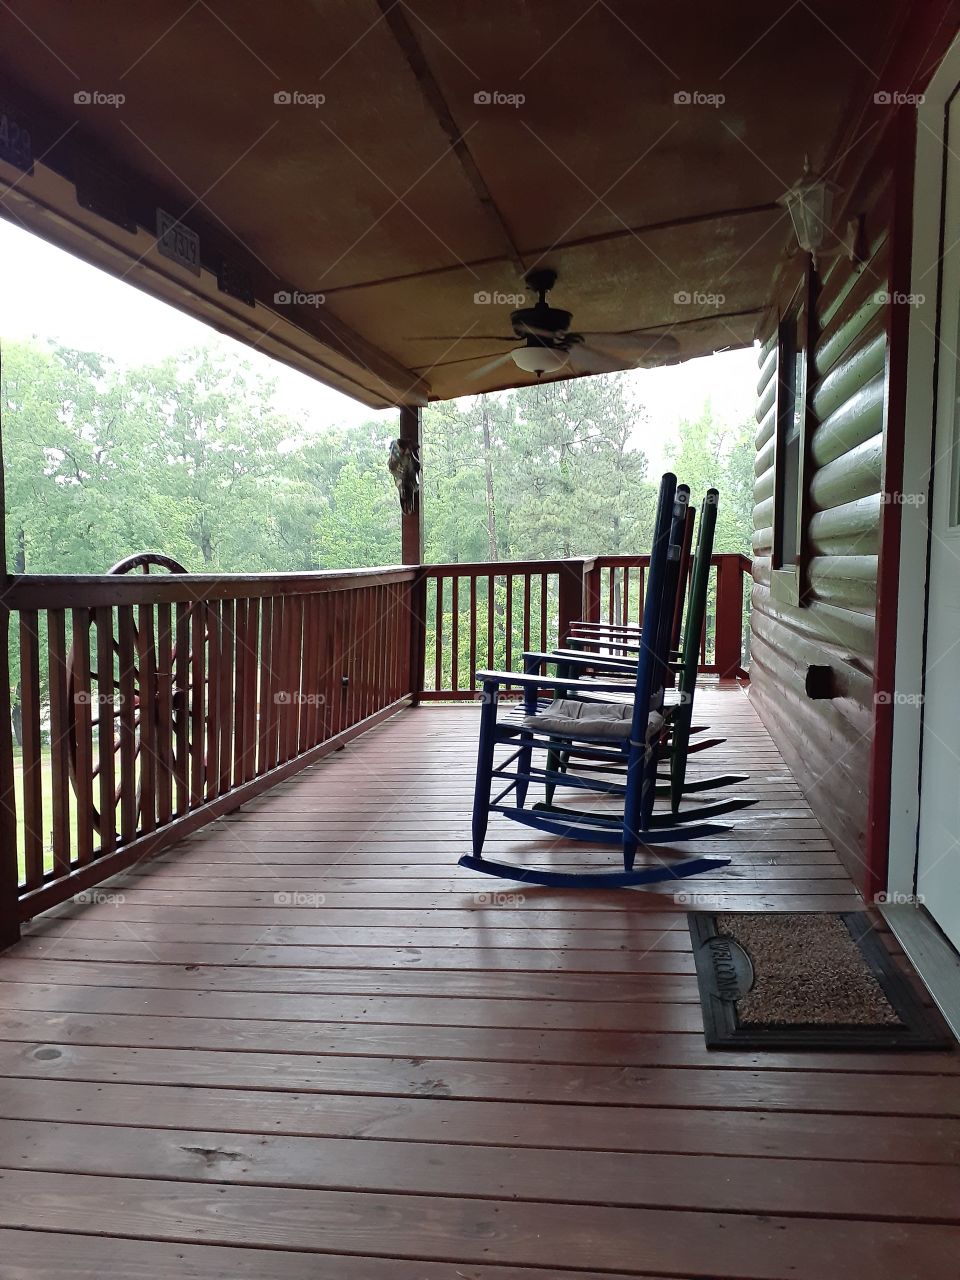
{"points": [[903, 147]]}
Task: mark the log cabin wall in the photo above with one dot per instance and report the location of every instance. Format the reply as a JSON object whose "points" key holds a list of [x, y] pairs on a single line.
{"points": [[812, 664]]}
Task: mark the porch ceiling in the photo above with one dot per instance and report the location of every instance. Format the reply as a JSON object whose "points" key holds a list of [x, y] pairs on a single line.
{"points": [[401, 196]]}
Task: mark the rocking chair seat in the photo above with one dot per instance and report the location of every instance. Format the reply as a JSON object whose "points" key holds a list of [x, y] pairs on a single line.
{"points": [[568, 717]]}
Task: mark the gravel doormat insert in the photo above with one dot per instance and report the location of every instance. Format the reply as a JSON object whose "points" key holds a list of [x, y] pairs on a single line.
{"points": [[806, 980]]}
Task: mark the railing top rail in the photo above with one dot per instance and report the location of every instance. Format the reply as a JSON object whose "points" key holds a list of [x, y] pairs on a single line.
{"points": [[484, 568], [56, 591], [641, 560]]}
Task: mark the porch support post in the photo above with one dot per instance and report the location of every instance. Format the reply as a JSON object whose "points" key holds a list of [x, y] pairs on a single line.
{"points": [[572, 596], [411, 526], [729, 629], [9, 875], [591, 592], [411, 542]]}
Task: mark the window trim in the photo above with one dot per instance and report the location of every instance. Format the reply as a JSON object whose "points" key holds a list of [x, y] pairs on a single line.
{"points": [[788, 582]]}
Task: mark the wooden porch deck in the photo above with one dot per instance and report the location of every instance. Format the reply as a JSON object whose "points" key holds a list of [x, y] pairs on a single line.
{"points": [[305, 1044]]}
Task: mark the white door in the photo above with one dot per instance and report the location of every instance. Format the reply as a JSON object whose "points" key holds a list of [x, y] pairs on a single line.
{"points": [[938, 860]]}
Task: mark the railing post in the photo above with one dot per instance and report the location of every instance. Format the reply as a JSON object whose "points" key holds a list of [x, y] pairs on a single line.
{"points": [[729, 632], [418, 633], [591, 591], [572, 596]]}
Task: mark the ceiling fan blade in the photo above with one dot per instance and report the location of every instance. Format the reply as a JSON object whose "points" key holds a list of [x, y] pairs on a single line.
{"points": [[634, 348], [463, 337], [490, 366], [584, 358]]}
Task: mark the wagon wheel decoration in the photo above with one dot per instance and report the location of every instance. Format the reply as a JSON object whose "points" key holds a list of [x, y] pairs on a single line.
{"points": [[143, 562]]}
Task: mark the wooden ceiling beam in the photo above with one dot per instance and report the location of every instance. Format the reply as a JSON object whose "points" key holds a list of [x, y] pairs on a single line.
{"points": [[395, 18], [600, 237]]}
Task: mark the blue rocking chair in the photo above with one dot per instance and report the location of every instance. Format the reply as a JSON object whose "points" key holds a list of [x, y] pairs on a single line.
{"points": [[678, 748], [626, 734]]}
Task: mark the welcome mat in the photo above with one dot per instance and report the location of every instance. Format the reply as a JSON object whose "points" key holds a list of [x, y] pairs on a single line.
{"points": [[806, 980]]}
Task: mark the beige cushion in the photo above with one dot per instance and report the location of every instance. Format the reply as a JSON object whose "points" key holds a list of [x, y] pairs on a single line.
{"points": [[568, 716]]}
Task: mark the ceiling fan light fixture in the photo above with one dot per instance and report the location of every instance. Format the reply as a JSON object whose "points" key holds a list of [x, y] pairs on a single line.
{"points": [[539, 360]]}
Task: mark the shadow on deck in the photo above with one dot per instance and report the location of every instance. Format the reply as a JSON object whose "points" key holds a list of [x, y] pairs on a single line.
{"points": [[306, 1044]]}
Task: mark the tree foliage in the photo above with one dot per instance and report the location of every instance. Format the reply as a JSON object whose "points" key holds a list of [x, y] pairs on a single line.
{"points": [[192, 457]]}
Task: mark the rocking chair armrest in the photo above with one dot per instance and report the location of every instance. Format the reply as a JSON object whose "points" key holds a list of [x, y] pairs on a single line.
{"points": [[575, 658], [628, 666], [547, 682], [598, 642], [625, 667]]}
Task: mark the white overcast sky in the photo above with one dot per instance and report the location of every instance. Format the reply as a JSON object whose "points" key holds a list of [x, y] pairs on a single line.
{"points": [[47, 293]]}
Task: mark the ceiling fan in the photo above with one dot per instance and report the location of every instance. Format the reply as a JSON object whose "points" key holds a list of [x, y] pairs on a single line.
{"points": [[548, 344]]}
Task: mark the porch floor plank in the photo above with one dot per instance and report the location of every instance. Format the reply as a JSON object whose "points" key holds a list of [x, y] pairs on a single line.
{"points": [[305, 1044]]}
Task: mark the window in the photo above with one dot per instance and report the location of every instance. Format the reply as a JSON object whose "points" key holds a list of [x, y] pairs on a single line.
{"points": [[790, 448]]}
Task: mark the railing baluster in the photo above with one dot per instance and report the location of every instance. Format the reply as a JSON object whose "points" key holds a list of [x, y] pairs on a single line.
{"points": [[265, 690], [454, 632], [526, 611], [32, 762], [544, 639], [212, 762], [127, 681], [59, 738], [491, 591], [508, 660], [181, 705], [241, 662], [83, 730], [147, 712], [106, 729], [438, 638], [225, 693], [308, 683], [473, 631], [164, 714], [199, 619]]}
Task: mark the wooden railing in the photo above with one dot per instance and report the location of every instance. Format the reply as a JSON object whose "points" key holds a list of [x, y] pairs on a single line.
{"points": [[150, 705], [485, 615]]}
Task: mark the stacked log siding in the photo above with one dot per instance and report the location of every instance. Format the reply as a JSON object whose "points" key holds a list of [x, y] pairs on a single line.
{"points": [[826, 740]]}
